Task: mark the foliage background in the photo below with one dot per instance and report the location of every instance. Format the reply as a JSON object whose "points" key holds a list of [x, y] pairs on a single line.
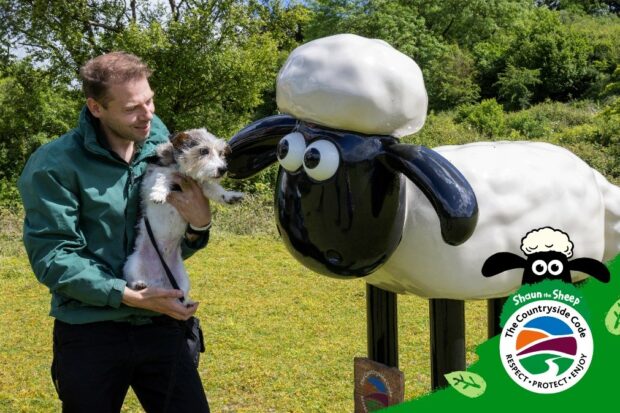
{"points": [[495, 69]]}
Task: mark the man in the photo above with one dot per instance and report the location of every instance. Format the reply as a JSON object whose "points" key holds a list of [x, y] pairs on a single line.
{"points": [[81, 197]]}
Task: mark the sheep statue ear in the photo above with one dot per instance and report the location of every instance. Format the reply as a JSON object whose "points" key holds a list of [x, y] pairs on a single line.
{"points": [[445, 187], [591, 267], [254, 147]]}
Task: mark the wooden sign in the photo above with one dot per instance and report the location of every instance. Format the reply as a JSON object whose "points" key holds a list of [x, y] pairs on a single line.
{"points": [[377, 386]]}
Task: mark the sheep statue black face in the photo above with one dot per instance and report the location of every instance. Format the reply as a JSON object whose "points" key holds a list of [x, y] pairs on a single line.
{"points": [[352, 201], [339, 193]]}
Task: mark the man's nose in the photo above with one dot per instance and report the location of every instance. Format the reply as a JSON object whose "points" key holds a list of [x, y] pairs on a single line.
{"points": [[146, 113]]}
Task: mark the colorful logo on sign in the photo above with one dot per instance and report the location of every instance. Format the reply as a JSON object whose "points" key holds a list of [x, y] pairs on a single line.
{"points": [[546, 346], [375, 392]]}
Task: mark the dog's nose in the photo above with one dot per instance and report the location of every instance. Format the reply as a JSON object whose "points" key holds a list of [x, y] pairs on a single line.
{"points": [[221, 171]]}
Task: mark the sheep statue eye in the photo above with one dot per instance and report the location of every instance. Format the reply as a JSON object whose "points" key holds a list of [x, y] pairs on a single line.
{"points": [[539, 267], [290, 151], [321, 160], [555, 267]]}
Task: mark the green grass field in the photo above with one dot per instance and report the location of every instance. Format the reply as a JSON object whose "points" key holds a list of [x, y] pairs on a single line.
{"points": [[279, 337]]}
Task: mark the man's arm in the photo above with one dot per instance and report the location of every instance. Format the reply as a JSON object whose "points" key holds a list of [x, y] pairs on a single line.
{"points": [[160, 300], [194, 207], [60, 260], [56, 246]]}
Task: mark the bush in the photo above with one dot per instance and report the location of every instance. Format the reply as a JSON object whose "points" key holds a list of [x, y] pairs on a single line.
{"points": [[562, 55], [487, 117], [529, 125], [545, 119], [261, 184], [253, 216], [451, 79], [441, 129], [516, 86], [9, 197], [34, 111]]}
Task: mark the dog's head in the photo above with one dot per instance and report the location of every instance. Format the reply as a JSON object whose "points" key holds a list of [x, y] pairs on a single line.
{"points": [[197, 153]]}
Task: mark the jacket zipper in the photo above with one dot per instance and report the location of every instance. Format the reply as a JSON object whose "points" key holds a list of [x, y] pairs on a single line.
{"points": [[130, 183]]}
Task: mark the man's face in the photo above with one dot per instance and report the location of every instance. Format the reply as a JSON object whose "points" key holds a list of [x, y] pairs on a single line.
{"points": [[129, 110]]}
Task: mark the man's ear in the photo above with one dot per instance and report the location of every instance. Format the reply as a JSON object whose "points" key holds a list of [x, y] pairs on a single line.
{"points": [[94, 107]]}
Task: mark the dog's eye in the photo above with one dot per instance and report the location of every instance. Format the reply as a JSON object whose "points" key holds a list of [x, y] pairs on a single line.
{"points": [[204, 151], [290, 151], [321, 160]]}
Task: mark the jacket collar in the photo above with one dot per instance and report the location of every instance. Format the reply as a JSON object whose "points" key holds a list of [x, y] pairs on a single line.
{"points": [[95, 141]]}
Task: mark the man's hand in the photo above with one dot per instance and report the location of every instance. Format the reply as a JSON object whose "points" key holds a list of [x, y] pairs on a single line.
{"points": [[191, 203], [160, 300]]}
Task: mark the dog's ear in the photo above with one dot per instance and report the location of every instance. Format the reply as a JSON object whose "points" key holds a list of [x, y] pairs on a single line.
{"points": [[165, 153], [227, 151], [179, 140]]}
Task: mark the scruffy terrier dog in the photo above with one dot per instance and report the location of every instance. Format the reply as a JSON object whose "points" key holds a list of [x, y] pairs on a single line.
{"points": [[196, 154]]}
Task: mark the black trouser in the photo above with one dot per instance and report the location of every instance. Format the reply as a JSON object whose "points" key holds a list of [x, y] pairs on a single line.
{"points": [[94, 365]]}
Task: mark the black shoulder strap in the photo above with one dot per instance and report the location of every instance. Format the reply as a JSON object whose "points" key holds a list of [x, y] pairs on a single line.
{"points": [[173, 281]]}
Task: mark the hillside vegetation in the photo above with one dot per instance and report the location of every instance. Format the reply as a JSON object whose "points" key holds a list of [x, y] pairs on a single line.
{"points": [[500, 69]]}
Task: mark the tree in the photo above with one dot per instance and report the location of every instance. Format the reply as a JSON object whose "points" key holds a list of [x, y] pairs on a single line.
{"points": [[451, 79], [516, 84], [437, 34], [541, 41], [34, 110], [214, 61], [588, 6], [469, 22]]}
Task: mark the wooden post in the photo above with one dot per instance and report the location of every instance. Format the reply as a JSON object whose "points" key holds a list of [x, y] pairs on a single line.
{"points": [[447, 324]]}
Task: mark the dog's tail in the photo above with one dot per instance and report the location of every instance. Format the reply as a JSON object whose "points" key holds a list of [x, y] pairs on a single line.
{"points": [[611, 200]]}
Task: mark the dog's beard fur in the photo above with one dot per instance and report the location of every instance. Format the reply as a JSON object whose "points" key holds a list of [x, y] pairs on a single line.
{"points": [[194, 153]]}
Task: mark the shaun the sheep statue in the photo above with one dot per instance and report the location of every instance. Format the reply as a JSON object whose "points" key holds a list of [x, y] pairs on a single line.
{"points": [[352, 201]]}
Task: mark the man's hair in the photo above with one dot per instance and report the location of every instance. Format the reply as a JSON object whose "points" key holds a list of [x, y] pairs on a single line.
{"points": [[102, 71]]}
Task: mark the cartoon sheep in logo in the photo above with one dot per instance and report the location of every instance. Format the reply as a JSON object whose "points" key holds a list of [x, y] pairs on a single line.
{"points": [[547, 251]]}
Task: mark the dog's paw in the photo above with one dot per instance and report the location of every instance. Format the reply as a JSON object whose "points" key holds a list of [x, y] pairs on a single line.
{"points": [[232, 197], [138, 285]]}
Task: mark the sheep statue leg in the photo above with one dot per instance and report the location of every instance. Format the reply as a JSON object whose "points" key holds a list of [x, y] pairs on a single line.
{"points": [[381, 313], [447, 326]]}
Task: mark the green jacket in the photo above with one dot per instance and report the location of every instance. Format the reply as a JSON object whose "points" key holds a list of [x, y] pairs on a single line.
{"points": [[82, 204]]}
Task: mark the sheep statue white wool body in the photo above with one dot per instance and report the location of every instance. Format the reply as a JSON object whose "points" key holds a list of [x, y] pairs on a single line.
{"points": [[519, 186], [352, 201]]}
